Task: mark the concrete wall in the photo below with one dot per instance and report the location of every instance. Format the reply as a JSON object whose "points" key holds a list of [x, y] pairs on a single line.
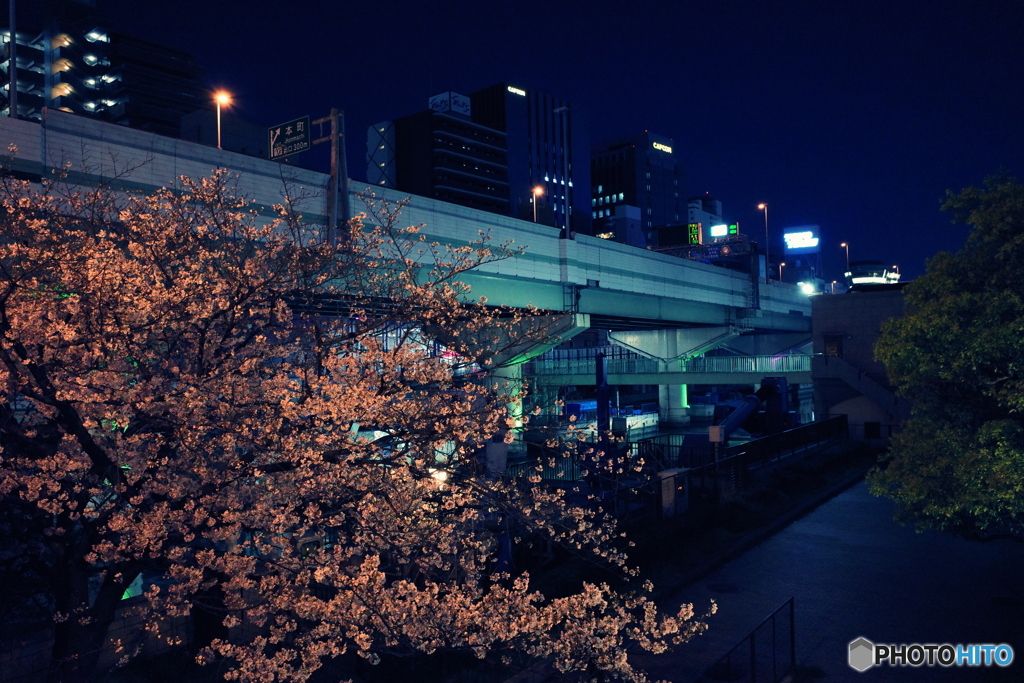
{"points": [[857, 317], [855, 384]]}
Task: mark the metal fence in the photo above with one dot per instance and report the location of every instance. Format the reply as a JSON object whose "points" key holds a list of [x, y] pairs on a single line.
{"points": [[632, 364], [765, 655], [669, 451], [796, 362], [735, 467], [557, 468]]}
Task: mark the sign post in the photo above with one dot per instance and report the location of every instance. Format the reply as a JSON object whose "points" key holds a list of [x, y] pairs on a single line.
{"points": [[339, 171], [294, 137]]}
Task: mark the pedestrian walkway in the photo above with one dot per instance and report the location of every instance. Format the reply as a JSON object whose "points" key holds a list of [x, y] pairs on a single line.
{"points": [[854, 572]]}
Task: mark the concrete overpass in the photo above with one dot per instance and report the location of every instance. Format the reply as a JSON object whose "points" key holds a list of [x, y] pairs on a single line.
{"points": [[660, 306]]}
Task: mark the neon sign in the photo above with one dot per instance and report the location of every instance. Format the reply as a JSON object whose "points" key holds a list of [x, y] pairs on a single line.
{"points": [[800, 240], [661, 147], [725, 230], [517, 91]]}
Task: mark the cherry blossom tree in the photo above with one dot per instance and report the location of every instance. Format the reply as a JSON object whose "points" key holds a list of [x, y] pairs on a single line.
{"points": [[262, 424]]}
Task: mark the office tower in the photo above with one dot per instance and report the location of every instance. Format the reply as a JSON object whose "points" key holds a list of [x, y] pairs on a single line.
{"points": [[500, 149], [634, 187], [67, 59], [441, 153]]}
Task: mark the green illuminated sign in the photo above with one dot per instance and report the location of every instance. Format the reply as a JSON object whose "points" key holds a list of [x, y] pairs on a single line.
{"points": [[693, 232]]}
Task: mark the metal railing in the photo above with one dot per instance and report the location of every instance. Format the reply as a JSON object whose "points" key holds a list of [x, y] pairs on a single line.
{"points": [[764, 365], [559, 468], [668, 451], [795, 362], [765, 655]]}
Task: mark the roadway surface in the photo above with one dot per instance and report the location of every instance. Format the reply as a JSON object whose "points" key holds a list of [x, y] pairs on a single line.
{"points": [[854, 572]]}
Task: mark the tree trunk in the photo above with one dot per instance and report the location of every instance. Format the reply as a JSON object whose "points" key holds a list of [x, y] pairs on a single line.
{"points": [[78, 639]]}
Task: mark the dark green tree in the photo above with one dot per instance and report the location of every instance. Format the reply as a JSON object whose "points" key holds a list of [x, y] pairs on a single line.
{"points": [[958, 354]]}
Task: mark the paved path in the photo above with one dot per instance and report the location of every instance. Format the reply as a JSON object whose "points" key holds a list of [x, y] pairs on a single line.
{"points": [[854, 572]]}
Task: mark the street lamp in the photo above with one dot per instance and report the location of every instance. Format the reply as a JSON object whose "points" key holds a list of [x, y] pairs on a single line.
{"points": [[537, 192], [222, 98], [780, 270], [833, 286], [767, 261], [847, 247]]}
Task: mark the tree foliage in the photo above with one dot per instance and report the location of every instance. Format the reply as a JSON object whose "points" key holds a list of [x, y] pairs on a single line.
{"points": [[958, 353], [254, 420]]}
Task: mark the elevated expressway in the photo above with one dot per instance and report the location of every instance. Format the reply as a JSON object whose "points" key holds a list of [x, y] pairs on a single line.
{"points": [[663, 308]]}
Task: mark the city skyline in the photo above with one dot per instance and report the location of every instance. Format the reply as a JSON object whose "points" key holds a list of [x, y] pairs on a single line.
{"points": [[857, 120]]}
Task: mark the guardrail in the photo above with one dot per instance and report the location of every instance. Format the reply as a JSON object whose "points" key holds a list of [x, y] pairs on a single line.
{"points": [[757, 364], [765, 655], [764, 365]]}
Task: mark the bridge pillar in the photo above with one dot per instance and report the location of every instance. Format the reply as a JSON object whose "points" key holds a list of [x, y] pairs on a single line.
{"points": [[502, 356], [507, 382], [669, 345], [673, 408]]}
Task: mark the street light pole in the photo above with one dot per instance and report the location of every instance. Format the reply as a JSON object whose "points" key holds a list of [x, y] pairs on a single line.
{"points": [[537, 192], [780, 270], [847, 247], [767, 260], [222, 99]]}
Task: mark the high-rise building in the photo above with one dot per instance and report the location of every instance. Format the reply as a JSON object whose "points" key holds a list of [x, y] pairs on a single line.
{"points": [[441, 153], [67, 60], [637, 171], [500, 149], [548, 149]]}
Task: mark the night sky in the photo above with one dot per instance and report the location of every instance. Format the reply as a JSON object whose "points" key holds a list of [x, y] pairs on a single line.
{"points": [[856, 117]]}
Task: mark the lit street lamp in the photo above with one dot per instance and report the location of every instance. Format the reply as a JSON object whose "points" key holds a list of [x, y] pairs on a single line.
{"points": [[222, 98], [537, 192], [847, 247], [764, 207], [833, 286], [780, 270]]}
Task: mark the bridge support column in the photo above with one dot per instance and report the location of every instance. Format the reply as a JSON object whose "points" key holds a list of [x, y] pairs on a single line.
{"points": [[669, 345], [507, 381], [672, 405]]}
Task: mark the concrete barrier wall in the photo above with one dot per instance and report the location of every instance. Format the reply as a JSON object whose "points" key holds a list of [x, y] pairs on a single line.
{"points": [[128, 159]]}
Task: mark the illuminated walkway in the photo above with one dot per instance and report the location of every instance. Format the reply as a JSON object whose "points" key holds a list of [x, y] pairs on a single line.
{"points": [[854, 572]]}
